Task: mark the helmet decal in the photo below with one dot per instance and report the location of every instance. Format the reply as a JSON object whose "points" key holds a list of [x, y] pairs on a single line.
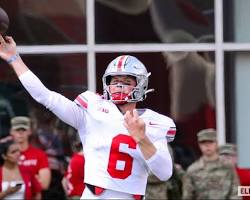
{"points": [[121, 60]]}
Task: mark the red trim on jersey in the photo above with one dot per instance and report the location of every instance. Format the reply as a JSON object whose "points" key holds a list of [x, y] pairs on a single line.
{"points": [[171, 131], [138, 197], [98, 190], [120, 63], [82, 102]]}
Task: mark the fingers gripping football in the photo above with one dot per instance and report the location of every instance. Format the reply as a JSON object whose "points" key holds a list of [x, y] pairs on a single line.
{"points": [[135, 125]]}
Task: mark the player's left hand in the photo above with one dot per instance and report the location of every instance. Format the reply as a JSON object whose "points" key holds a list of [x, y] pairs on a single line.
{"points": [[135, 125]]}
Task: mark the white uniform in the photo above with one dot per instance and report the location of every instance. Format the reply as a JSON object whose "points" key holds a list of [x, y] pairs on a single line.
{"points": [[113, 160]]}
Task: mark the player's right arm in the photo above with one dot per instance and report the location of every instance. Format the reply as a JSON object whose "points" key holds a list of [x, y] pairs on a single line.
{"points": [[64, 108]]}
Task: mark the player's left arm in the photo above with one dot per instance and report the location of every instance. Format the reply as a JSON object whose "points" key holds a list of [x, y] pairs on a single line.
{"points": [[156, 154]]}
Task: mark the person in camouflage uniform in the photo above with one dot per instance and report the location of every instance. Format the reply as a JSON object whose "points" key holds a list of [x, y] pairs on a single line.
{"points": [[174, 184], [228, 152], [170, 189], [210, 177], [156, 189]]}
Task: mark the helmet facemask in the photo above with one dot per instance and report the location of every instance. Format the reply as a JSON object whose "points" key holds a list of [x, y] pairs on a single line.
{"points": [[138, 93], [121, 97]]}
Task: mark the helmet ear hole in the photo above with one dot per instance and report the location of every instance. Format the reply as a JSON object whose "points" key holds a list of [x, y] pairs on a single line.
{"points": [[108, 80]]}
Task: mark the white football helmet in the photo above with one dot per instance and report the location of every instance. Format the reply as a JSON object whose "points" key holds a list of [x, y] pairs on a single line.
{"points": [[127, 65]]}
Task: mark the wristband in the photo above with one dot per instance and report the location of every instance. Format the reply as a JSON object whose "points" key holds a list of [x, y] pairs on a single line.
{"points": [[12, 58]]}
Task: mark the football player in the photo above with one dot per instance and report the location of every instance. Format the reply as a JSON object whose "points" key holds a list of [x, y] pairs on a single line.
{"points": [[121, 143]]}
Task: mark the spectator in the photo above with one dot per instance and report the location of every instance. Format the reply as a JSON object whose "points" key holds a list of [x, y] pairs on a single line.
{"points": [[175, 183], [170, 189], [228, 152], [16, 182], [210, 177], [73, 179], [33, 158], [46, 138]]}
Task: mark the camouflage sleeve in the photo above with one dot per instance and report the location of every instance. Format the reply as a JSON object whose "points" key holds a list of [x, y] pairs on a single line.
{"points": [[235, 183], [153, 179], [180, 171], [188, 187]]}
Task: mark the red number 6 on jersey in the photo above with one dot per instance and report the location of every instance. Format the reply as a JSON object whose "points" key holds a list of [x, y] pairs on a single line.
{"points": [[115, 155]]}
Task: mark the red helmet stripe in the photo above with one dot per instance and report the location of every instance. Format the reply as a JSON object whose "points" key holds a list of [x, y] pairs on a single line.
{"points": [[121, 62]]}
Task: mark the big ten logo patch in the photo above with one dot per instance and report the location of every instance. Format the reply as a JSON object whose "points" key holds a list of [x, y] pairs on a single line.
{"points": [[105, 110]]}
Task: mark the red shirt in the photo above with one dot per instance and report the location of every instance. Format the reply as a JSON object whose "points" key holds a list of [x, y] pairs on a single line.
{"points": [[34, 159], [75, 175], [32, 186], [244, 176]]}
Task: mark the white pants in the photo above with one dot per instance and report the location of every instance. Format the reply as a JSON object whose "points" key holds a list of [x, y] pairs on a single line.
{"points": [[106, 194]]}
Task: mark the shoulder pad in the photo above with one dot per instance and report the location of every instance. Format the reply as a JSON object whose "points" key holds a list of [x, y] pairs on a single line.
{"points": [[85, 98]]}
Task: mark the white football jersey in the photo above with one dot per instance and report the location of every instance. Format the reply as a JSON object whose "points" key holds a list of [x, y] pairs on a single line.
{"points": [[112, 158]]}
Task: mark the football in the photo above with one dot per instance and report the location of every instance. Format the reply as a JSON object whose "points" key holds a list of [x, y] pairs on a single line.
{"points": [[4, 21]]}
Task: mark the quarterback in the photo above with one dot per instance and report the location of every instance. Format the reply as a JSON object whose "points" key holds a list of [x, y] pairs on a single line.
{"points": [[121, 144]]}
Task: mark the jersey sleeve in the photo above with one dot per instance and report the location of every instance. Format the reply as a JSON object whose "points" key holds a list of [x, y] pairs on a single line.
{"points": [[163, 131], [67, 110], [159, 159], [43, 160], [165, 126], [170, 131], [168, 128]]}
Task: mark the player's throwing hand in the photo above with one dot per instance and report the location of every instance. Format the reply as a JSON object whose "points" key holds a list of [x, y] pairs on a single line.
{"points": [[7, 47], [135, 125]]}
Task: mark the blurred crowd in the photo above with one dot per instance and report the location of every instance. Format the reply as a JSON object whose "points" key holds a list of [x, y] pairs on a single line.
{"points": [[37, 163], [215, 175], [41, 158]]}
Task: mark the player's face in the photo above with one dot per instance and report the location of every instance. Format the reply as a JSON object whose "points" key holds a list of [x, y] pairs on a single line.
{"points": [[21, 135], [208, 148], [122, 84]]}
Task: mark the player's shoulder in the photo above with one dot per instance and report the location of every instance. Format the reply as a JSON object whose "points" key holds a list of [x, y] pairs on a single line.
{"points": [[87, 97], [160, 118], [156, 120]]}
